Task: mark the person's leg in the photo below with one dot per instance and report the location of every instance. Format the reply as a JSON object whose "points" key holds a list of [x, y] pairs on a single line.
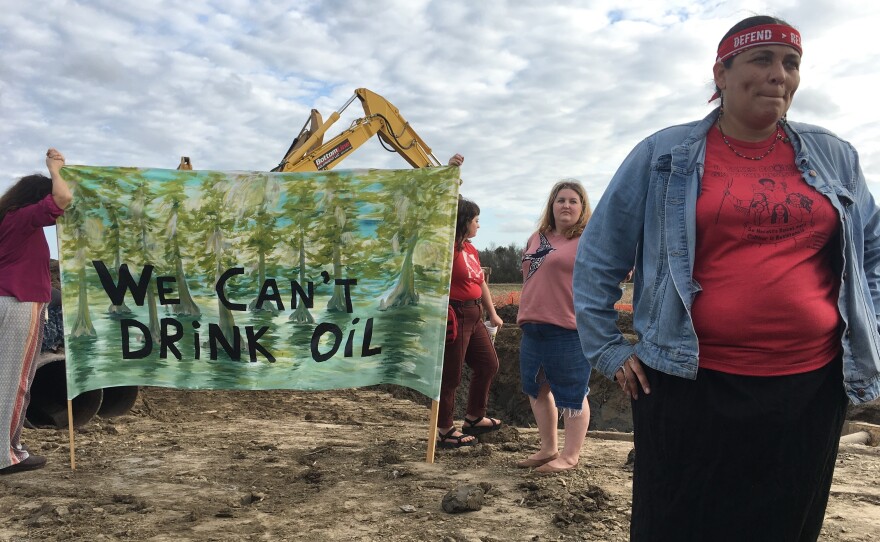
{"points": [[667, 429], [453, 359], [812, 449], [20, 336], [534, 385], [728, 457], [827, 445], [779, 443], [546, 415], [568, 376], [575, 433], [481, 358]]}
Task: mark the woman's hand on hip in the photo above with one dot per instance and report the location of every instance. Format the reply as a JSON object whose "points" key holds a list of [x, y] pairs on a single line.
{"points": [[630, 375]]}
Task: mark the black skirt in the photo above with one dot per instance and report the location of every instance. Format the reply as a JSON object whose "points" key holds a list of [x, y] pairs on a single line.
{"points": [[729, 457]]}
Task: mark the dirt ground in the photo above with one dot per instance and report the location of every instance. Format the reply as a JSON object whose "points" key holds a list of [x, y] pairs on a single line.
{"points": [[343, 465]]}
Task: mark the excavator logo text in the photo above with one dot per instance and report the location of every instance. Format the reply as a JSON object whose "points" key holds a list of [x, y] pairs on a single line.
{"points": [[333, 154]]}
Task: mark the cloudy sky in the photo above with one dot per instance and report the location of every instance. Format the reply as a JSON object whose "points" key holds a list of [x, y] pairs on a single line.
{"points": [[529, 92]]}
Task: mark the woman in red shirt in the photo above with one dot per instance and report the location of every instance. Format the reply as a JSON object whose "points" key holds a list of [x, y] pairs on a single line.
{"points": [[468, 296], [33, 202]]}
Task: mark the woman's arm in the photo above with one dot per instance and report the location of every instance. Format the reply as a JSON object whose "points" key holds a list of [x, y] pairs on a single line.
{"points": [[494, 319], [60, 191], [606, 253]]}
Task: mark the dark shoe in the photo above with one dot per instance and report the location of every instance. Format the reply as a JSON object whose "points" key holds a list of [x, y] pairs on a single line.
{"points": [[471, 428], [33, 462], [532, 463], [447, 440]]}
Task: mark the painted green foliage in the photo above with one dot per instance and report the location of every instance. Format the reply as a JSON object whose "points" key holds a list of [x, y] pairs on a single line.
{"points": [[300, 206], [221, 256], [403, 223], [178, 224]]}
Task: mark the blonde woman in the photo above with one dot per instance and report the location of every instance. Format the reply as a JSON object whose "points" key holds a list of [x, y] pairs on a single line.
{"points": [[554, 372]]}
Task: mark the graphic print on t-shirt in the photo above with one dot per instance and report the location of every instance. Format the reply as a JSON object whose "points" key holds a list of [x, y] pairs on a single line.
{"points": [[537, 258], [765, 250], [770, 211], [472, 264]]}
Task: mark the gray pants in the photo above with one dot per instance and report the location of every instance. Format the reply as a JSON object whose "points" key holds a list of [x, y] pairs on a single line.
{"points": [[21, 333]]}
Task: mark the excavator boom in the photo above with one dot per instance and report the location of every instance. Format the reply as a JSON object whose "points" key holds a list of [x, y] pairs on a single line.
{"points": [[308, 152], [381, 118]]}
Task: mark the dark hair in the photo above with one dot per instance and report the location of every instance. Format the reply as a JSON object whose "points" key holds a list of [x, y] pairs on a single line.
{"points": [[467, 211], [784, 209], [27, 191], [748, 22]]}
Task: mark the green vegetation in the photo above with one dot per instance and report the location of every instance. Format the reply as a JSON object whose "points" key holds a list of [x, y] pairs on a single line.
{"points": [[505, 263]]}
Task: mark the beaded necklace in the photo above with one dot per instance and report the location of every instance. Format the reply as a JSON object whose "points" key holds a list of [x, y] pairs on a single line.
{"points": [[779, 137]]}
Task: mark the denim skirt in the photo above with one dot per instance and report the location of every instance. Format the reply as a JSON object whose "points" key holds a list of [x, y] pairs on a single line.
{"points": [[552, 355]]}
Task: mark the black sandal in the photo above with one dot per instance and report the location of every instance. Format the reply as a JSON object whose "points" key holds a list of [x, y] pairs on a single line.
{"points": [[471, 427], [459, 441]]}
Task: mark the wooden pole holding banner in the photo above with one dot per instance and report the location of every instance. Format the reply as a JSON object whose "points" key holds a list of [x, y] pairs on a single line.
{"points": [[70, 429], [432, 431]]}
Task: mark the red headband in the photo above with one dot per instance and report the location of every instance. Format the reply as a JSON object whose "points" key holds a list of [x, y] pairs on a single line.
{"points": [[766, 34]]}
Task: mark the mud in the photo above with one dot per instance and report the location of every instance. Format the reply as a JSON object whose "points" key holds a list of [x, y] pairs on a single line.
{"points": [[343, 465]]}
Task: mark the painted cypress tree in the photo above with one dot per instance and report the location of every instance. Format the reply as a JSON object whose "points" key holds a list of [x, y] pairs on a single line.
{"points": [[179, 225], [255, 198]]}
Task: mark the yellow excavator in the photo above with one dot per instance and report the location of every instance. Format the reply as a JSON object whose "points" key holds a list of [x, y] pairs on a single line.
{"points": [[308, 152]]}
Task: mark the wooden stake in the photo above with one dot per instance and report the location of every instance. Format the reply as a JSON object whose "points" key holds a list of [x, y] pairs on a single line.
{"points": [[70, 429], [432, 431]]}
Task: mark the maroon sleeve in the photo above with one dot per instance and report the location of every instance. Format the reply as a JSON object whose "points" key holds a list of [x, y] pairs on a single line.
{"points": [[40, 214]]}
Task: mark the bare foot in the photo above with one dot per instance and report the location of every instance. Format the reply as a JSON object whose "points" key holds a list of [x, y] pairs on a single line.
{"points": [[536, 460], [559, 464]]}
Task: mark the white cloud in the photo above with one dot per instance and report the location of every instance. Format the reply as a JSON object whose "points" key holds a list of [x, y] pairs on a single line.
{"points": [[528, 92]]}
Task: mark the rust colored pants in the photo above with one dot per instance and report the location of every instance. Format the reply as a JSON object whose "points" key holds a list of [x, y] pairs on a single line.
{"points": [[474, 347]]}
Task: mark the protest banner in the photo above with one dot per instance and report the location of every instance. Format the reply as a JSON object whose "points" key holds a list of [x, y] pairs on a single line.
{"points": [[255, 280]]}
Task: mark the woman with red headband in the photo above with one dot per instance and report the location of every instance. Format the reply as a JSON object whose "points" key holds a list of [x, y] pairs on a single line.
{"points": [[756, 248]]}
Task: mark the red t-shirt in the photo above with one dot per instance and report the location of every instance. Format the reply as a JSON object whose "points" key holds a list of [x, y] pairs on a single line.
{"points": [[24, 252], [765, 245], [467, 275]]}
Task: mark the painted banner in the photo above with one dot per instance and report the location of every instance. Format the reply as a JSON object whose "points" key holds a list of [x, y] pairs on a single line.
{"points": [[254, 280]]}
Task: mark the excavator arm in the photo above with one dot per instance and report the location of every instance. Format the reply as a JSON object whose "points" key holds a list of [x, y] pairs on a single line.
{"points": [[307, 153]]}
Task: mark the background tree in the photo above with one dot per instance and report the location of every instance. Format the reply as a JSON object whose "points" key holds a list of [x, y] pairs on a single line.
{"points": [[505, 262]]}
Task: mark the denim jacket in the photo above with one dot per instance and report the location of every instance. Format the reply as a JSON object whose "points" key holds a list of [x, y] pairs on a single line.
{"points": [[646, 220]]}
